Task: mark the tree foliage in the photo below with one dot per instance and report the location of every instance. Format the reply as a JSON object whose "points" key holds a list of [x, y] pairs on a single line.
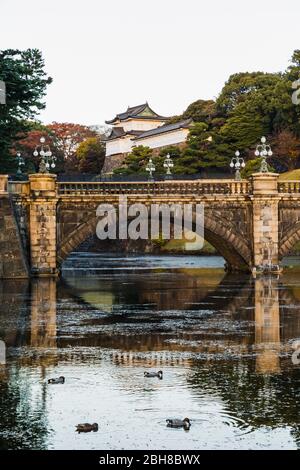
{"points": [[205, 149], [26, 82], [66, 138], [199, 111], [63, 139], [91, 155], [136, 161], [286, 148], [253, 166], [250, 105]]}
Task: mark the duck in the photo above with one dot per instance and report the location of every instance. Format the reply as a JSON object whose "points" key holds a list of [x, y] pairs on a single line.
{"points": [[87, 427], [158, 374], [59, 380], [179, 423]]}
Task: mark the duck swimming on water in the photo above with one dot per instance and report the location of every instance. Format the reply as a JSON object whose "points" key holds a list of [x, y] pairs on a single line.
{"points": [[87, 427], [179, 423], [158, 374], [59, 380]]}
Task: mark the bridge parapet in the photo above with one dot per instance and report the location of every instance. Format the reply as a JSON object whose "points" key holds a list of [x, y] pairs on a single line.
{"points": [[3, 184], [289, 187], [18, 188], [205, 187]]}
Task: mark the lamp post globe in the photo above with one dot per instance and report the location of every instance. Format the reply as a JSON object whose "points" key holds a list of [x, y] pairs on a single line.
{"points": [[47, 159], [237, 163], [168, 164], [150, 168], [263, 150]]}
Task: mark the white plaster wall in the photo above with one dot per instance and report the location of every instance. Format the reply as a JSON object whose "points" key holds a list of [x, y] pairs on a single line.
{"points": [[162, 140], [122, 145], [139, 125]]}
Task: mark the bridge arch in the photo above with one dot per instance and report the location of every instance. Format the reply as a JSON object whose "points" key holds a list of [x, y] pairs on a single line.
{"points": [[218, 232], [230, 244], [289, 239]]}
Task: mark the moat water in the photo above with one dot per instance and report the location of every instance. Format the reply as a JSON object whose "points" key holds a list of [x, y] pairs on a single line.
{"points": [[227, 346]]}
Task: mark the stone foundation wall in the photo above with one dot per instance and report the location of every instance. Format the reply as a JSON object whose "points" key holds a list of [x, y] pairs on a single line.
{"points": [[12, 260], [112, 162]]}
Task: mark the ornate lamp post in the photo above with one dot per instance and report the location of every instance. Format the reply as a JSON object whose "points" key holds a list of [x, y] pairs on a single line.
{"points": [[20, 161], [47, 159], [237, 162], [263, 150], [168, 164], [151, 169]]}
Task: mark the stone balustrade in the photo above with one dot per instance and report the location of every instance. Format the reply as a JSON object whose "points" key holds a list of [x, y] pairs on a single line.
{"points": [[205, 187], [199, 187], [289, 187]]}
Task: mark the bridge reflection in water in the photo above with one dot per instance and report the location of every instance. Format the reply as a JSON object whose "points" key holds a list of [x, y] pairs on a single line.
{"points": [[258, 304], [223, 340]]}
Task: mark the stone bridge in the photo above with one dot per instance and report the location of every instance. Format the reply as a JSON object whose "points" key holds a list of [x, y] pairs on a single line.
{"points": [[249, 222]]}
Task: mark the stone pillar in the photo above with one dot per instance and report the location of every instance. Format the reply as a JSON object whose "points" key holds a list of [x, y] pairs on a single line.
{"points": [[42, 228], [265, 218], [3, 184]]}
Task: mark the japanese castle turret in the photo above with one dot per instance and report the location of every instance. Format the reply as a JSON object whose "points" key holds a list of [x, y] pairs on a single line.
{"points": [[140, 125]]}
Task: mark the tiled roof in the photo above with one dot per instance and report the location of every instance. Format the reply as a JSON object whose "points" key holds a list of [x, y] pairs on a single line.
{"points": [[166, 128], [118, 132], [134, 112]]}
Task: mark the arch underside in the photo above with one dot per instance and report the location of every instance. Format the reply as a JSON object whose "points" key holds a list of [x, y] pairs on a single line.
{"points": [[288, 240], [229, 244], [234, 261]]}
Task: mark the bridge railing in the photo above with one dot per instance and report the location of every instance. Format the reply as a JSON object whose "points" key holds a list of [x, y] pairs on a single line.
{"points": [[18, 187], [290, 187], [205, 187]]}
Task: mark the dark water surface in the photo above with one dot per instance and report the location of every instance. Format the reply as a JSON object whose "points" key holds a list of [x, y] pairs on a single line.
{"points": [[226, 345]]}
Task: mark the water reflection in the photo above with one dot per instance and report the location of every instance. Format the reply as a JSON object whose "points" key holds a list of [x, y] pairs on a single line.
{"points": [[43, 313], [223, 341], [267, 325]]}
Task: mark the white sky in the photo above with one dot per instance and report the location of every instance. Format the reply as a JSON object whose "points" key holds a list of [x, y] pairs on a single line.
{"points": [[106, 55]]}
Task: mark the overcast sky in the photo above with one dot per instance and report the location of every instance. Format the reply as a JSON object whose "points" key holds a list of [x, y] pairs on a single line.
{"points": [[106, 55]]}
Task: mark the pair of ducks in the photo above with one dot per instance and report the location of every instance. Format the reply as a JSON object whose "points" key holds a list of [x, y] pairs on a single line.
{"points": [[61, 379], [171, 423], [87, 427], [84, 427]]}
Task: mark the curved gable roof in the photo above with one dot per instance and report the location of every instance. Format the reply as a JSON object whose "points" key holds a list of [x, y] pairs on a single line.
{"points": [[137, 112], [185, 124]]}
